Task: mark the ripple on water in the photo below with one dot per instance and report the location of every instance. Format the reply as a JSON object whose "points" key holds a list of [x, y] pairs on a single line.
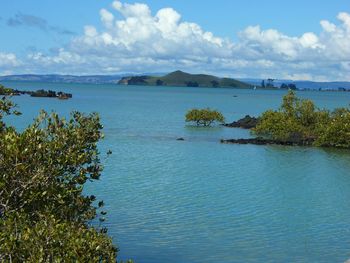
{"points": [[198, 200]]}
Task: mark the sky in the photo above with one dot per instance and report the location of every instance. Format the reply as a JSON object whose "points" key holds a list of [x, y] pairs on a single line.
{"points": [[298, 40]]}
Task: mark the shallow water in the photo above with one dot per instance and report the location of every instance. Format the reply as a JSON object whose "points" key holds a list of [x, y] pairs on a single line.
{"points": [[201, 201]]}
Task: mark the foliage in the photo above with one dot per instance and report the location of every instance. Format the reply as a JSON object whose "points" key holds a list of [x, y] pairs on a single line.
{"points": [[204, 117], [52, 240], [159, 82], [215, 83], [44, 214], [269, 84], [137, 80], [290, 86], [5, 91], [44, 93], [192, 84], [50, 94], [337, 131], [299, 120]]}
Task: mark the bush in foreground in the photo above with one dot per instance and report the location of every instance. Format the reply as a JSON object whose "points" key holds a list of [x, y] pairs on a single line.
{"points": [[204, 117], [44, 216]]}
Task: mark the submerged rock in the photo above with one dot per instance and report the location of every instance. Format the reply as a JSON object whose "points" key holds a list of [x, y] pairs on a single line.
{"points": [[180, 139], [247, 122], [263, 141]]}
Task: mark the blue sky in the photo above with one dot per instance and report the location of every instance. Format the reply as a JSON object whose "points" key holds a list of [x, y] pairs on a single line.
{"points": [[252, 38]]}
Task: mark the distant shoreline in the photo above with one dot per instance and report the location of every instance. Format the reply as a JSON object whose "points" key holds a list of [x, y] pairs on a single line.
{"points": [[181, 79]]}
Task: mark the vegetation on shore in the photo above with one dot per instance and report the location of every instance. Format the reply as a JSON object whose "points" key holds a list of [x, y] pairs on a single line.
{"points": [[204, 117], [179, 78], [301, 122], [44, 215]]}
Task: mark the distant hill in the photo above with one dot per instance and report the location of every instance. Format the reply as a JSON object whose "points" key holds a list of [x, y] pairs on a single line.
{"points": [[96, 79], [179, 78]]}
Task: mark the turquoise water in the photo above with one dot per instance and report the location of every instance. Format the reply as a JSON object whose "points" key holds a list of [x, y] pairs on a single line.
{"points": [[201, 201]]}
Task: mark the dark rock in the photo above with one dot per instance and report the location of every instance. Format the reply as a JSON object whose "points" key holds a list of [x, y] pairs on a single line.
{"points": [[180, 139], [263, 141], [39, 93], [44, 93], [64, 96], [247, 122], [50, 94]]}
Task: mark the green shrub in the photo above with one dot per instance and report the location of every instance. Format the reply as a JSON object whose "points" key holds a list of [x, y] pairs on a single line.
{"points": [[44, 215], [336, 132], [299, 120], [204, 117]]}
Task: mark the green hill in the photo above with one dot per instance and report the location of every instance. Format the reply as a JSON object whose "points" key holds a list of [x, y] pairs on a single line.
{"points": [[179, 78]]}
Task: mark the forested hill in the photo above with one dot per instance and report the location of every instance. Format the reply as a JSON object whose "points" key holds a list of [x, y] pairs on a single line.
{"points": [[179, 78]]}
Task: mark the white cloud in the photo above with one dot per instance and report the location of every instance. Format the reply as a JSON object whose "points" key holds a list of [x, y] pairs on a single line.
{"points": [[309, 40], [132, 10], [345, 18], [336, 39], [140, 34], [327, 26], [301, 76], [141, 41], [106, 17], [63, 58], [8, 60], [90, 31]]}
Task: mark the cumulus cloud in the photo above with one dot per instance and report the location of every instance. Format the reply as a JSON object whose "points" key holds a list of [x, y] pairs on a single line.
{"points": [[132, 39], [8, 63], [140, 34], [8, 60], [62, 57], [36, 22], [336, 38]]}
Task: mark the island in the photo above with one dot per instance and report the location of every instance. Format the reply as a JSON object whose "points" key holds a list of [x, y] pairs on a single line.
{"points": [[4, 91], [182, 79]]}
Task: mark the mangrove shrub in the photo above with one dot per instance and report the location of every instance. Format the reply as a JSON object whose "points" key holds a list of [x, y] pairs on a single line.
{"points": [[204, 117], [44, 214], [299, 120]]}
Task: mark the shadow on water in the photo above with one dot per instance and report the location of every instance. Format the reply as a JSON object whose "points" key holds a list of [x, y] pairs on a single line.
{"points": [[331, 151], [194, 128]]}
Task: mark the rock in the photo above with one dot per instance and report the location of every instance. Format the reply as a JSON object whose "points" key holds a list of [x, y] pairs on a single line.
{"points": [[50, 94], [247, 122], [180, 139], [39, 93], [263, 141]]}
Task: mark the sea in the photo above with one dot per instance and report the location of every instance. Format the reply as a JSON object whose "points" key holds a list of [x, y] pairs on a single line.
{"points": [[198, 200]]}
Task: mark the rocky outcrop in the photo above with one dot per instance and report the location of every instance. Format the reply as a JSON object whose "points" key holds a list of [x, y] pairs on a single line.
{"points": [[263, 141], [39, 93], [49, 94], [247, 122]]}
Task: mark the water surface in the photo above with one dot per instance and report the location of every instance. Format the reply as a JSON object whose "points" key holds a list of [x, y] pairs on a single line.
{"points": [[201, 201]]}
